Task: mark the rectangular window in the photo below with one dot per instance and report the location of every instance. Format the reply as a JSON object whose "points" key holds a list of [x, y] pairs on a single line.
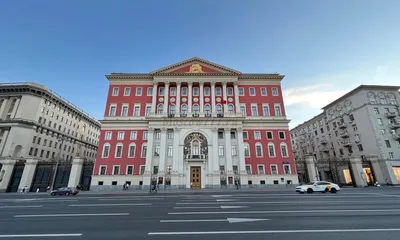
{"points": [[259, 151], [254, 111], [229, 91], [136, 112], [265, 110], [142, 169], [257, 135], [170, 134], [234, 152], [274, 169], [376, 110], [106, 151], [133, 135], [281, 135], [113, 110], [170, 151], [269, 136], [391, 155], [245, 135], [115, 91], [284, 151], [271, 151], [157, 151], [116, 170], [161, 91], [121, 135], [220, 150], [261, 169], [172, 91], [132, 151], [103, 170], [145, 135], [184, 91], [127, 91], [286, 169], [149, 91], [148, 110], [243, 110], [108, 136], [124, 111], [275, 91], [252, 91], [263, 91], [387, 142], [195, 91], [129, 170], [248, 169], [206, 91], [118, 151], [144, 151], [246, 150], [241, 91], [218, 91], [278, 111], [139, 91]]}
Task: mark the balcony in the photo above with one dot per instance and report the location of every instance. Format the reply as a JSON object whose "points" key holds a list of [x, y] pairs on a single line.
{"points": [[171, 114], [346, 143], [196, 115], [220, 115], [391, 114], [183, 114], [394, 125], [342, 125], [344, 134], [196, 156], [207, 114], [324, 141]]}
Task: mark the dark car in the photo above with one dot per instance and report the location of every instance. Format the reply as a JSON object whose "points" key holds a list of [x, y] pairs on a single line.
{"points": [[65, 191]]}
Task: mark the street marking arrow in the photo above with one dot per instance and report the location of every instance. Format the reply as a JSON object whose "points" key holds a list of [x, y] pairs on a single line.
{"points": [[230, 220]]}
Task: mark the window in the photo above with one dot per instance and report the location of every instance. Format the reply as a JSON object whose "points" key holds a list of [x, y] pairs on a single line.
{"points": [[281, 135], [220, 150], [278, 110], [115, 91], [142, 169], [113, 110], [172, 91], [149, 91], [245, 135], [157, 134], [184, 91], [160, 108], [124, 111], [284, 150], [195, 91], [229, 91], [170, 151], [380, 121], [259, 152], [103, 170], [230, 109], [274, 169], [219, 109], [129, 170], [184, 110], [286, 169], [172, 110], [257, 135], [170, 134], [108, 136], [136, 111], [360, 147], [391, 155], [157, 151], [243, 110], [246, 150], [206, 91], [269, 136], [196, 109], [106, 150], [252, 91], [121, 135], [139, 91], [218, 91], [127, 91], [263, 91], [118, 150], [234, 151], [387, 142], [271, 149], [254, 110], [241, 91], [265, 110], [145, 135], [275, 91], [116, 170], [148, 110], [161, 91], [376, 110], [261, 169], [207, 109], [144, 151], [248, 169], [132, 150]]}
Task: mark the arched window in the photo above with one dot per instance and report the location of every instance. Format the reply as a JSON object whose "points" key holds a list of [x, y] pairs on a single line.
{"points": [[172, 109], [12, 105], [284, 150], [230, 108], [271, 150], [106, 150], [132, 150], [207, 109], [219, 108], [259, 150], [184, 109], [196, 109], [195, 147], [118, 150], [160, 108]]}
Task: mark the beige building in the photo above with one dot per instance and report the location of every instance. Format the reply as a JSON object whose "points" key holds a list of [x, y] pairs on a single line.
{"points": [[360, 130], [37, 128]]}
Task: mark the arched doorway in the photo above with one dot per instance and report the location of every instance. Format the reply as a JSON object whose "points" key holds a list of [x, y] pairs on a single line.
{"points": [[195, 152]]}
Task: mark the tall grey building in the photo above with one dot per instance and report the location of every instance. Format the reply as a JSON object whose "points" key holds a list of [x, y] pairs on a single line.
{"points": [[39, 130], [362, 127]]}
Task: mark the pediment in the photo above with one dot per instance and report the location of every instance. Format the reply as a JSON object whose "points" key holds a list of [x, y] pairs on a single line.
{"points": [[195, 66]]}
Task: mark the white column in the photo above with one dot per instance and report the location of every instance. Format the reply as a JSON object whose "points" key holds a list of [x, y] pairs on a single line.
{"points": [[163, 147], [178, 99], [5, 173], [150, 149], [237, 103], [215, 155], [14, 112], [154, 97], [242, 159], [175, 158], [228, 151], [190, 85], [213, 107], [166, 98], [201, 98], [28, 174], [76, 172], [225, 106], [3, 106]]}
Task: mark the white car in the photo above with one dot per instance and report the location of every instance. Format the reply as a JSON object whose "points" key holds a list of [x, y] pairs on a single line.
{"points": [[318, 186]]}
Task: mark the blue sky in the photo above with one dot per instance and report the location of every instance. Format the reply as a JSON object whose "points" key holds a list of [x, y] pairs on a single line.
{"points": [[324, 48]]}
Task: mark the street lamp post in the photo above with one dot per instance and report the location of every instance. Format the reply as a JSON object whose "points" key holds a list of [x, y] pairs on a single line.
{"points": [[61, 139]]}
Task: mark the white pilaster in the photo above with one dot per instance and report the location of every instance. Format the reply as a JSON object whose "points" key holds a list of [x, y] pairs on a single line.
{"points": [[154, 97], [163, 147], [228, 151], [213, 107], [14, 112], [237, 104], [76, 172], [175, 158], [166, 98], [190, 85], [3, 106], [242, 159], [201, 98], [150, 149], [224, 96], [178, 99], [28, 174], [215, 155]]}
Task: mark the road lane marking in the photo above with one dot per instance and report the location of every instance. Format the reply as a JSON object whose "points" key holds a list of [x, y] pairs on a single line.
{"points": [[217, 196], [26, 206], [109, 204], [226, 200], [289, 211], [230, 220], [128, 199], [222, 207], [290, 203], [277, 231], [42, 235], [72, 215]]}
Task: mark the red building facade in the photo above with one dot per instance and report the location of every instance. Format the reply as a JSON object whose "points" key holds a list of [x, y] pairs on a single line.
{"points": [[194, 124]]}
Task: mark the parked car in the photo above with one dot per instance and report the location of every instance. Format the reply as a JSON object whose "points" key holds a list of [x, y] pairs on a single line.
{"points": [[65, 191], [318, 186]]}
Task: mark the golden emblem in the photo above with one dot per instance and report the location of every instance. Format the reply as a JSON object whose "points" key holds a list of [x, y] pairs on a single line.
{"points": [[196, 68]]}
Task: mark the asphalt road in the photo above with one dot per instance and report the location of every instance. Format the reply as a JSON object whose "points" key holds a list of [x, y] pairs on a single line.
{"points": [[354, 214]]}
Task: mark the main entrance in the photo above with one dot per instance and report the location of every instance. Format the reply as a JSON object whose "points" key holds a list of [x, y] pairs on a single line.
{"points": [[195, 177]]}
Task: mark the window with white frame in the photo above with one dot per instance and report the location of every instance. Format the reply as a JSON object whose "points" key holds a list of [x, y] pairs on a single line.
{"points": [[270, 136], [259, 152], [172, 91], [132, 150], [286, 169], [116, 170], [230, 109], [170, 151], [184, 91], [183, 109], [157, 150], [106, 150], [171, 110], [281, 135], [195, 91], [136, 111], [218, 91], [113, 110], [245, 135], [139, 91], [148, 110], [271, 150], [160, 108], [254, 111], [149, 91], [229, 91], [278, 111], [257, 135], [170, 134], [391, 155], [275, 91], [261, 169], [206, 91], [157, 134], [161, 91], [219, 108], [248, 169], [129, 170], [246, 150], [144, 151], [274, 169], [266, 110], [124, 112], [263, 91], [207, 109], [241, 91], [220, 150], [252, 91], [145, 135], [142, 169], [234, 151], [103, 170], [243, 110], [120, 135], [115, 91], [118, 150], [108, 136], [127, 91], [284, 150]]}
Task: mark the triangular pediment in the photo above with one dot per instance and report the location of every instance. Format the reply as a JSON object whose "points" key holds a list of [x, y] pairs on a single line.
{"points": [[195, 66]]}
